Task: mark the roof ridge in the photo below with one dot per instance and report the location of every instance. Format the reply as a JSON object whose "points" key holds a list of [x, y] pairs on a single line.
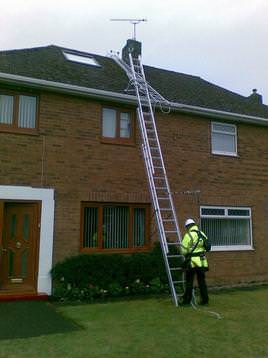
{"points": [[60, 48], [172, 71], [28, 49]]}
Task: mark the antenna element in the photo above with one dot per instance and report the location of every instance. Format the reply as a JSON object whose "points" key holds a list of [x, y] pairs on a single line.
{"points": [[134, 22]]}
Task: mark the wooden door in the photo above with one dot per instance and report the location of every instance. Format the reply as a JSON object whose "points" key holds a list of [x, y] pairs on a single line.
{"points": [[20, 238]]}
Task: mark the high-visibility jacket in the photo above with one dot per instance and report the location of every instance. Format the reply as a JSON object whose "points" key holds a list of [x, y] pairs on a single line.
{"points": [[188, 243]]}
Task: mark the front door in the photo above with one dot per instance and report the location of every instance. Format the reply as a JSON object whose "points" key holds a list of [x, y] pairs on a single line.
{"points": [[20, 237]]}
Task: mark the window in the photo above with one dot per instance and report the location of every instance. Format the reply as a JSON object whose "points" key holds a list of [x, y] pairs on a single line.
{"points": [[18, 112], [224, 139], [117, 126], [115, 227], [84, 59], [229, 228]]}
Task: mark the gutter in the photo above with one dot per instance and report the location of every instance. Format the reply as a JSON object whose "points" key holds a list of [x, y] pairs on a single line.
{"points": [[65, 88]]}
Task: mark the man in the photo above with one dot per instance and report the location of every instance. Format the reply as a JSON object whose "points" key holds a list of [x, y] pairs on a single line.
{"points": [[196, 262]]}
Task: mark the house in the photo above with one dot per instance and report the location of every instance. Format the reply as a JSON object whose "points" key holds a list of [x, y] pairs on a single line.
{"points": [[72, 177]]}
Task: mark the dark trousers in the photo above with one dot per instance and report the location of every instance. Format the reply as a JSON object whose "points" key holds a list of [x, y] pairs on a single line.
{"points": [[201, 279]]}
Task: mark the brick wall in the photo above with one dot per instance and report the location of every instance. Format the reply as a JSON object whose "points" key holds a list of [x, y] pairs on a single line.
{"points": [[67, 155]]}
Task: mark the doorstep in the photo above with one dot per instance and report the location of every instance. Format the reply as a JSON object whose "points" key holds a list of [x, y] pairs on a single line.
{"points": [[23, 296]]}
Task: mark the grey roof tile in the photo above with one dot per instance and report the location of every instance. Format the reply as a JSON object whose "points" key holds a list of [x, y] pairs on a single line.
{"points": [[49, 63]]}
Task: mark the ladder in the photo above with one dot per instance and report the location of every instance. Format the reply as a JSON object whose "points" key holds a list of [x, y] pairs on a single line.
{"points": [[167, 223]]}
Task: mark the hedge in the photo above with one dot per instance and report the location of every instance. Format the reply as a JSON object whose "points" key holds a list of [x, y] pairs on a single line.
{"points": [[93, 276]]}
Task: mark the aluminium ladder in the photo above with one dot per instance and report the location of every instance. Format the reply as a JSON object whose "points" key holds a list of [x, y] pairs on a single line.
{"points": [[167, 223]]}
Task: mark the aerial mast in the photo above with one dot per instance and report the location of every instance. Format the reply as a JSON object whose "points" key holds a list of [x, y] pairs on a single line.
{"points": [[134, 22]]}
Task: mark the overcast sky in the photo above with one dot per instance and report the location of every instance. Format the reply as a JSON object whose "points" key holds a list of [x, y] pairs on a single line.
{"points": [[222, 41]]}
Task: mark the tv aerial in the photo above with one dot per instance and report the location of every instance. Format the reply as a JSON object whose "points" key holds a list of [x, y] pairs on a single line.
{"points": [[134, 22]]}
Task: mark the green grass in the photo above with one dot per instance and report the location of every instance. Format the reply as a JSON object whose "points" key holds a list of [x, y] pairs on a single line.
{"points": [[155, 328]]}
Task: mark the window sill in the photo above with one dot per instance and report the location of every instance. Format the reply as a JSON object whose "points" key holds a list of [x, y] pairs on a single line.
{"points": [[33, 132], [226, 154], [129, 143], [232, 248], [115, 251]]}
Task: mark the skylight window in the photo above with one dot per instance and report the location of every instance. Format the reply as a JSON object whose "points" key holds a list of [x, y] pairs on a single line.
{"points": [[86, 60]]}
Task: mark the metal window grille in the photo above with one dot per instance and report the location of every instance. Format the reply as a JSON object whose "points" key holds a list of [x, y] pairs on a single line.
{"points": [[227, 227]]}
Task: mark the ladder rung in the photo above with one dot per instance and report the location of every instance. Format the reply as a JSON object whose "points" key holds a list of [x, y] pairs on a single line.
{"points": [[167, 198], [171, 232], [159, 178], [156, 158], [161, 188], [158, 168], [175, 269], [172, 256], [154, 148], [165, 209], [181, 281], [168, 220]]}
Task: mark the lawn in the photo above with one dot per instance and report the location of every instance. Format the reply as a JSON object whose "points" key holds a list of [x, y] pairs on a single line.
{"points": [[155, 328]]}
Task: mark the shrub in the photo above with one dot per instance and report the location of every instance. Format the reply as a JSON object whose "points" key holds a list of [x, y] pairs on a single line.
{"points": [[91, 276]]}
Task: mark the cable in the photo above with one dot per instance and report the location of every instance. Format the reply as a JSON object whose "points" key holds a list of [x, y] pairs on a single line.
{"points": [[194, 306]]}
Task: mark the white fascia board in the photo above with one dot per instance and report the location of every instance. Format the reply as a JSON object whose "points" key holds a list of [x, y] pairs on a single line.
{"points": [[217, 114], [125, 98], [60, 87]]}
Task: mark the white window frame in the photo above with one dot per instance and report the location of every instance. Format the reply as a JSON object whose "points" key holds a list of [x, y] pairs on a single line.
{"points": [[83, 59], [227, 216], [217, 131]]}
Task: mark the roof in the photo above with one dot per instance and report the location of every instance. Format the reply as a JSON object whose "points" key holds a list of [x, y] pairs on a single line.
{"points": [[49, 63]]}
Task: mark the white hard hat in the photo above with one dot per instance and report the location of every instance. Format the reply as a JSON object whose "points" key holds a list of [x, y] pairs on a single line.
{"points": [[189, 222]]}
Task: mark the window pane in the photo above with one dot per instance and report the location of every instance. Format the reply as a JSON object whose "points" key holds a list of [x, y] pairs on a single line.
{"points": [[26, 227], [13, 227], [81, 59], [115, 227], [223, 143], [10, 263], [27, 112], [108, 123], [227, 232], [212, 211], [24, 263], [238, 212], [139, 227], [6, 109], [90, 238], [125, 125], [224, 128]]}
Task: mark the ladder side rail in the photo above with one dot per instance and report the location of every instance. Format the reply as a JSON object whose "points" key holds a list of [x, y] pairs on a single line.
{"points": [[140, 115], [122, 64], [150, 171], [145, 138], [162, 160], [141, 87], [157, 97], [160, 225]]}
